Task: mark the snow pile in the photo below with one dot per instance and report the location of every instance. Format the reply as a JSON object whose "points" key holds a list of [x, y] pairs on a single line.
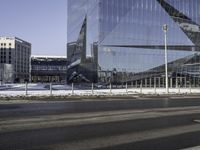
{"points": [[4, 87], [21, 87], [61, 87], [33, 87], [14, 90]]}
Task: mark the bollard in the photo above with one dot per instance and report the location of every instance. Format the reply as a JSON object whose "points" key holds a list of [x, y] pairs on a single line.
{"points": [[185, 82], [126, 88], [141, 88], [179, 89], [50, 89], [190, 88], [154, 88], [145, 83], [110, 89], [159, 82], [154, 82], [92, 89], [171, 82], [26, 88], [150, 82], [72, 88]]}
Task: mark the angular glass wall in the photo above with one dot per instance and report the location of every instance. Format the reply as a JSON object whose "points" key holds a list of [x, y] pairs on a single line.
{"points": [[78, 12], [76, 25], [185, 13], [123, 39], [138, 22], [92, 26], [82, 39], [132, 40]]}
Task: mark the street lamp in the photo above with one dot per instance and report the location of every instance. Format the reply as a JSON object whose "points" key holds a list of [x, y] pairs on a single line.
{"points": [[165, 29]]}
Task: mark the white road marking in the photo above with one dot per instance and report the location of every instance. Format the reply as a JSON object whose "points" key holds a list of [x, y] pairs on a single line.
{"points": [[64, 120], [192, 148], [103, 142]]}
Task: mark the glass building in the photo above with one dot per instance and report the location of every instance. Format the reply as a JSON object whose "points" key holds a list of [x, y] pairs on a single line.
{"points": [[122, 41]]}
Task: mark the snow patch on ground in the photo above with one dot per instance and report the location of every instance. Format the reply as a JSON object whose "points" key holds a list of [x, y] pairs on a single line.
{"points": [[16, 90]]}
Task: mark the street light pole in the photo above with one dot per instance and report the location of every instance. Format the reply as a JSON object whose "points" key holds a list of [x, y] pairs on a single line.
{"points": [[165, 29]]}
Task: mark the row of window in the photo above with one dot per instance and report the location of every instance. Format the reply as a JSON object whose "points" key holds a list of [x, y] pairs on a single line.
{"points": [[39, 67], [19, 47], [3, 48], [3, 60], [5, 57], [4, 44], [22, 69]]}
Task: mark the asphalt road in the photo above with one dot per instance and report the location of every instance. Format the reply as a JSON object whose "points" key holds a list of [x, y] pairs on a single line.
{"points": [[110, 124], [60, 107]]}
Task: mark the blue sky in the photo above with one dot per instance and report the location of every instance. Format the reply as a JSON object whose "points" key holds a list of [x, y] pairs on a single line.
{"points": [[43, 23]]}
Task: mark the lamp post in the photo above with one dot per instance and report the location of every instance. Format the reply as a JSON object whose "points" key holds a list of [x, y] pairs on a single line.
{"points": [[165, 29]]}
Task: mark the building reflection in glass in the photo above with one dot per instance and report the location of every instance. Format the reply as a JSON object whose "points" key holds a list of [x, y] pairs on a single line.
{"points": [[122, 40]]}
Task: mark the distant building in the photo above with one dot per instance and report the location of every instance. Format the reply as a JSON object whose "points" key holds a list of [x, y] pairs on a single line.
{"points": [[48, 69], [14, 60]]}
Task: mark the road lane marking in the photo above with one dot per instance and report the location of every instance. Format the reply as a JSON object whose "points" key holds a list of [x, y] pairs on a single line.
{"points": [[39, 122], [192, 148], [197, 120], [110, 141]]}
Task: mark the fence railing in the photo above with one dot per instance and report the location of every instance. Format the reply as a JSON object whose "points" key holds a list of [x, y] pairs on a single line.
{"points": [[94, 89]]}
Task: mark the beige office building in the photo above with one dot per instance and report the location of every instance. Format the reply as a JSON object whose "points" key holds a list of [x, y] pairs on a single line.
{"points": [[14, 60]]}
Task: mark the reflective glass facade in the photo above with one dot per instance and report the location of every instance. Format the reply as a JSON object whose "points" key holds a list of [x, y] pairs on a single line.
{"points": [[124, 40]]}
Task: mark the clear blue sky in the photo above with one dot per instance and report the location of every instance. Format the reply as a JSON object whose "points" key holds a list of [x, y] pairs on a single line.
{"points": [[43, 23]]}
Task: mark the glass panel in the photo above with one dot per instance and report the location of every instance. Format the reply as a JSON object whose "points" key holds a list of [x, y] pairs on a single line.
{"points": [[128, 37]]}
